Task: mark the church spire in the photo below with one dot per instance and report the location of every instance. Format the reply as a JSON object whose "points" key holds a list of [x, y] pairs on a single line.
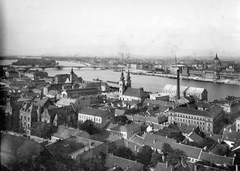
{"points": [[128, 81], [122, 76]]}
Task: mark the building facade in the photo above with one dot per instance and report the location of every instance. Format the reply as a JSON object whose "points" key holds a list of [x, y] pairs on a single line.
{"points": [[209, 121], [99, 117]]}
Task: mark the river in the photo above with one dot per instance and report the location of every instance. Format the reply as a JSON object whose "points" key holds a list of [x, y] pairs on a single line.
{"points": [[149, 83]]}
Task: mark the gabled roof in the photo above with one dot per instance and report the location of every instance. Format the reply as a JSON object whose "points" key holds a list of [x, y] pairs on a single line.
{"points": [[125, 164], [195, 137], [93, 111], [119, 112], [13, 147], [70, 145], [162, 167], [190, 151], [64, 132], [125, 128], [137, 139], [65, 102], [156, 141], [135, 92], [217, 159]]}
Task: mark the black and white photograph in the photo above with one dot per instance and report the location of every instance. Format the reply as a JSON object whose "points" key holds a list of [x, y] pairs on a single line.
{"points": [[120, 85]]}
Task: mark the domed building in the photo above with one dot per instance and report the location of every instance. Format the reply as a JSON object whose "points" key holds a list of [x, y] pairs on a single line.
{"points": [[216, 63]]}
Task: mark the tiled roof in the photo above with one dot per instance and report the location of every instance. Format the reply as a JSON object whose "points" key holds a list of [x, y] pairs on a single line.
{"points": [[64, 132], [231, 136], [195, 137], [119, 112], [191, 111], [125, 128], [215, 110], [205, 105], [135, 92], [137, 139], [190, 151], [65, 102], [13, 147], [195, 90], [112, 161], [217, 159], [72, 144], [93, 111], [162, 167], [156, 141]]}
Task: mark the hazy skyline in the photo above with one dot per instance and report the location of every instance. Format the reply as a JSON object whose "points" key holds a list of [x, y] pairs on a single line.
{"points": [[109, 27]]}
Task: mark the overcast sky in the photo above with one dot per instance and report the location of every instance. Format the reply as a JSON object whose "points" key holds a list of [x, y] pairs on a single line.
{"points": [[110, 27]]}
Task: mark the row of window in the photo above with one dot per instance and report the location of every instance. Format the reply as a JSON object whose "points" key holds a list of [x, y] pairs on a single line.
{"points": [[83, 117], [25, 117]]}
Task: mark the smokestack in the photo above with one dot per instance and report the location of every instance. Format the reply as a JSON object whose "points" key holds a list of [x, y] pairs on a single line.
{"points": [[178, 85]]}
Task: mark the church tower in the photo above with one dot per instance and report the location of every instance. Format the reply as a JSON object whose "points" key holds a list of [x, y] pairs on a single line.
{"points": [[121, 84], [128, 80], [71, 76]]}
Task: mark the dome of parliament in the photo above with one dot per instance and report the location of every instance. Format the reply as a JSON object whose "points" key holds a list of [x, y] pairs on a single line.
{"points": [[216, 61]]}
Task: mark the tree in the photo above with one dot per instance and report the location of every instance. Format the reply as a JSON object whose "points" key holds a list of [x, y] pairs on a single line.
{"points": [[177, 136], [166, 148], [90, 127], [43, 130], [92, 164], [173, 156], [121, 120], [144, 155], [124, 152], [155, 158]]}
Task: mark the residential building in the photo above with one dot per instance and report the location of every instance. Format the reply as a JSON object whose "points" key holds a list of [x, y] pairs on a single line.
{"points": [[209, 121], [238, 124], [15, 147], [159, 96], [76, 93], [65, 132], [10, 74], [72, 147], [156, 141], [99, 117], [125, 131], [113, 162]]}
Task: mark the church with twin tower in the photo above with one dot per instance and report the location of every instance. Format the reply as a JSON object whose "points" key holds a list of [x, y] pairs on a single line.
{"points": [[127, 93]]}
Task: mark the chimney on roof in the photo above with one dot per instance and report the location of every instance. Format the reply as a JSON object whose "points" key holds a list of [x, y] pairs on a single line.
{"points": [[178, 85]]}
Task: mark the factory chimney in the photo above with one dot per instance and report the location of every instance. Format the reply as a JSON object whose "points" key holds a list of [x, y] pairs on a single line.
{"points": [[178, 86]]}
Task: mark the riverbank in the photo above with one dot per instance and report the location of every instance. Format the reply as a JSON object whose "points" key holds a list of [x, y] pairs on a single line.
{"points": [[172, 76]]}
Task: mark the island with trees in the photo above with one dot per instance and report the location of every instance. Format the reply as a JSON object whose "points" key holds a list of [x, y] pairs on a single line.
{"points": [[35, 62]]}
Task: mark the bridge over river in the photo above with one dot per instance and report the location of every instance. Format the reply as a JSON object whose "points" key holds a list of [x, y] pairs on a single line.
{"points": [[59, 67]]}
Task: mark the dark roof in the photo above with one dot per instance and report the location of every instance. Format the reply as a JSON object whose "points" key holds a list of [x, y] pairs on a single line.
{"points": [[112, 161], [195, 137], [65, 147], [190, 151], [205, 105], [191, 111], [82, 90], [217, 159], [156, 141], [93, 111], [162, 167], [135, 92], [137, 139], [13, 147], [64, 132], [125, 128]]}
